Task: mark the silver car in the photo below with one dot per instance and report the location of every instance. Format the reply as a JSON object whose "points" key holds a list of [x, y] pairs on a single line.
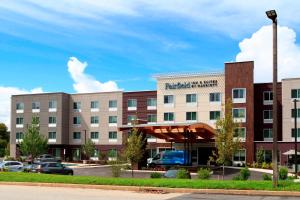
{"points": [[12, 166]]}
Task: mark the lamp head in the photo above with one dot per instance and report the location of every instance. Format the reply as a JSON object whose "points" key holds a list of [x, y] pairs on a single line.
{"points": [[271, 14]]}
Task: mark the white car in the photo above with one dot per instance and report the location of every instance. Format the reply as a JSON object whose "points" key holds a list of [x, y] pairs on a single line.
{"points": [[11, 166]]}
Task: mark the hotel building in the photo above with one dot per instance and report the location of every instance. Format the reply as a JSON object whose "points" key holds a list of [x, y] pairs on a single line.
{"points": [[183, 106]]}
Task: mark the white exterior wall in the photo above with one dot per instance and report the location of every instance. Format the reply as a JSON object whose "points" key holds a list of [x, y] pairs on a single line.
{"points": [[203, 105]]}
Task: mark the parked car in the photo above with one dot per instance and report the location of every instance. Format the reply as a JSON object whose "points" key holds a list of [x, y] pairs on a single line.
{"points": [[46, 158], [167, 158], [54, 168], [31, 167], [173, 172], [12, 166]]}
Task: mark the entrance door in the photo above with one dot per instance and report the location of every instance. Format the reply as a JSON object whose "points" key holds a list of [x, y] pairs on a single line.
{"points": [[203, 155]]}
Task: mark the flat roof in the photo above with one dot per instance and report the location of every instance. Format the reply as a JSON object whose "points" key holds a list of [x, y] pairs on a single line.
{"points": [[187, 74]]}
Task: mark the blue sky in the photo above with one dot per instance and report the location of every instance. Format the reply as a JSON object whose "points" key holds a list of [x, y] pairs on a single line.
{"points": [[125, 42]]}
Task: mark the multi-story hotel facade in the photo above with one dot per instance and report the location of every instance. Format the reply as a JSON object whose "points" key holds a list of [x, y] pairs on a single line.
{"points": [[181, 101]]}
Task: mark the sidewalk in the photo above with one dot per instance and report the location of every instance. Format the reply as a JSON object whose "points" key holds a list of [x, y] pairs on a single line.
{"points": [[162, 190]]}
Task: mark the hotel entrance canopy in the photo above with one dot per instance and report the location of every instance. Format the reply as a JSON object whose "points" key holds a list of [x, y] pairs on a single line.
{"points": [[179, 132]]}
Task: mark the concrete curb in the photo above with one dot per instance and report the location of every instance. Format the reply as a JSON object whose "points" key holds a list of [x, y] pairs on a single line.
{"points": [[161, 189]]}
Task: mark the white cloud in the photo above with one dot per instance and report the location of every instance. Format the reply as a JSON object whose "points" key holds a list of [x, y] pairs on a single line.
{"points": [[5, 101], [86, 83], [231, 17], [259, 48]]}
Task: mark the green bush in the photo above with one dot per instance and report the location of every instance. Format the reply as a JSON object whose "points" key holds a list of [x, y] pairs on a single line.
{"points": [[236, 178], [265, 165], [266, 177], [283, 173], [182, 174], [9, 158], [155, 175], [203, 173], [244, 174]]}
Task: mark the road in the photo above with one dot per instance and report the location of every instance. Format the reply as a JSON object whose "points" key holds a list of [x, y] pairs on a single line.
{"points": [[50, 193]]}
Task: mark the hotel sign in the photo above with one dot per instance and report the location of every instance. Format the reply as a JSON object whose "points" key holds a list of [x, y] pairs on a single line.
{"points": [[191, 84]]}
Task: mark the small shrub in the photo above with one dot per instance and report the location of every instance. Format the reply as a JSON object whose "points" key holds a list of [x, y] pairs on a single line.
{"points": [[283, 173], [265, 165], [236, 178], [182, 174], [244, 174], [266, 177], [8, 158], [203, 173], [155, 175], [255, 165]]}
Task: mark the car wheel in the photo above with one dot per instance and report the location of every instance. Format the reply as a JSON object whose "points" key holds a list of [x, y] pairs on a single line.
{"points": [[70, 173], [152, 165]]}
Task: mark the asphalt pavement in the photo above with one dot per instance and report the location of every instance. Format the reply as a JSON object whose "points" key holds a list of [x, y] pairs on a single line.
{"points": [[50, 193]]}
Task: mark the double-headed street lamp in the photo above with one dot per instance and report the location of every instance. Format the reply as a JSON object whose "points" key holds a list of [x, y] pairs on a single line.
{"points": [[273, 16]]}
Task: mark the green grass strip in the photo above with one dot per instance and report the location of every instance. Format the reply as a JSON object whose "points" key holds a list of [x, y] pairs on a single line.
{"points": [[169, 183]]}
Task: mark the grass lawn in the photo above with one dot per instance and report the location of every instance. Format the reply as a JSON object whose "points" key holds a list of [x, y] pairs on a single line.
{"points": [[170, 183]]}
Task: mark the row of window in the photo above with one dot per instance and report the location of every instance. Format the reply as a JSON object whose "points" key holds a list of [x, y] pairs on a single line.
{"points": [[76, 135], [192, 98], [95, 120], [36, 105]]}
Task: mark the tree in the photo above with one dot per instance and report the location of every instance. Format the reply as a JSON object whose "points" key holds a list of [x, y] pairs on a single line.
{"points": [[134, 151], [33, 143], [260, 156], [4, 139], [89, 148], [226, 143]]}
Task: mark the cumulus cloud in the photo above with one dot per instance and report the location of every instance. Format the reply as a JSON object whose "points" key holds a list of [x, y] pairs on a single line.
{"points": [[259, 48], [5, 97], [86, 83]]}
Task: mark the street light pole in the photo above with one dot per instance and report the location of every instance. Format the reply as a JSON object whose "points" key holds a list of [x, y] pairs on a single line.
{"points": [[273, 16], [296, 135]]}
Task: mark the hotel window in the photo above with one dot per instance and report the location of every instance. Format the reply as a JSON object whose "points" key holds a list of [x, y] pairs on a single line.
{"points": [[215, 97], [151, 102], [76, 135], [20, 106], [52, 104], [268, 156], [268, 134], [76, 120], [94, 104], [268, 97], [112, 119], [131, 119], [239, 95], [19, 136], [268, 116], [35, 105], [191, 116], [295, 93], [96, 153], [298, 132], [132, 103], [52, 120], [240, 155], [293, 113], [239, 114], [52, 135], [191, 98], [94, 135], [112, 135], [112, 104], [168, 99], [151, 118], [19, 120], [214, 115], [94, 120], [76, 105], [169, 117], [240, 133]]}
